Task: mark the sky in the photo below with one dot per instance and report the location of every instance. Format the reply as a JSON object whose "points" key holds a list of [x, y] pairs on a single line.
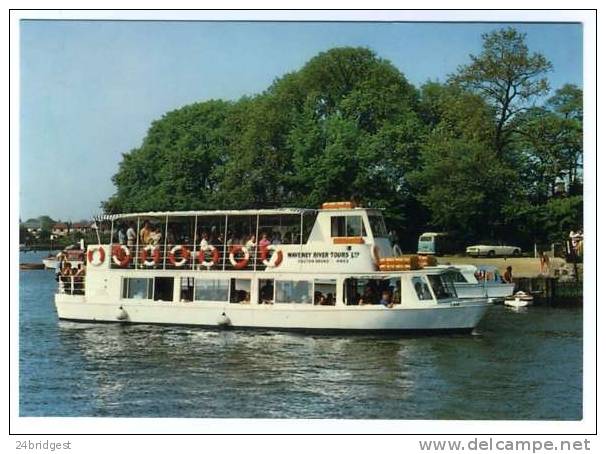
{"points": [[90, 89]]}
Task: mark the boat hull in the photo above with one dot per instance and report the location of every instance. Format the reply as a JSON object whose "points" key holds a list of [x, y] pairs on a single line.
{"points": [[436, 317]]}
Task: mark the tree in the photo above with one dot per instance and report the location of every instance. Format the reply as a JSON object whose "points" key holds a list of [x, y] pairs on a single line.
{"points": [[507, 76], [173, 168]]}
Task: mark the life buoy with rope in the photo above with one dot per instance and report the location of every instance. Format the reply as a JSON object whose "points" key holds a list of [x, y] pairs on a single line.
{"points": [[121, 255], [183, 252], [150, 255], [239, 264], [275, 259], [202, 256], [90, 256]]}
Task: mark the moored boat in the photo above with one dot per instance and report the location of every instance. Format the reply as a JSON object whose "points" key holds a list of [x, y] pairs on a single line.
{"points": [[519, 299], [331, 269]]}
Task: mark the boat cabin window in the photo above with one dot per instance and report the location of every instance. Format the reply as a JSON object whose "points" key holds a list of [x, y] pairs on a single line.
{"points": [[377, 225], [456, 276], [280, 229], [421, 288], [325, 292], [163, 288], [294, 292], [137, 288], [361, 291], [240, 291], [241, 229], [187, 289], [442, 286], [266, 291], [341, 226], [211, 290]]}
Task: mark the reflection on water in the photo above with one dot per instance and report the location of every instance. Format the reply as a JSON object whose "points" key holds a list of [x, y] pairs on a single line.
{"points": [[520, 365]]}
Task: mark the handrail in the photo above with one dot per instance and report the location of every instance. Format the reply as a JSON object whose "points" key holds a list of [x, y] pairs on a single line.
{"points": [[71, 285]]}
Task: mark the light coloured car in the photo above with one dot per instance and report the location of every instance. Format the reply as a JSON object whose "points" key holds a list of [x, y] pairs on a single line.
{"points": [[492, 250]]}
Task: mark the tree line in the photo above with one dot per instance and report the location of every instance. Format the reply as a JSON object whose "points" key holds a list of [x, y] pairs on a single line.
{"points": [[476, 155]]}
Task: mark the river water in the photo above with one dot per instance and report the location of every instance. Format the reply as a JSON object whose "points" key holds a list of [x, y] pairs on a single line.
{"points": [[524, 364]]}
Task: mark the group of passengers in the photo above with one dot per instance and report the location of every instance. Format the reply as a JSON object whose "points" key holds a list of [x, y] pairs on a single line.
{"points": [[373, 294], [153, 235], [324, 300], [67, 275]]}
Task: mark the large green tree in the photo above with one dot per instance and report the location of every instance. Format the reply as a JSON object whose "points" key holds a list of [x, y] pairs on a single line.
{"points": [[507, 76]]}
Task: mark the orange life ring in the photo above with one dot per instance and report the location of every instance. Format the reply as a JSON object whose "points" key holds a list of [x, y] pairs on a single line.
{"points": [[121, 255], [155, 255], [239, 264], [185, 254], [202, 256], [276, 257], [90, 256]]}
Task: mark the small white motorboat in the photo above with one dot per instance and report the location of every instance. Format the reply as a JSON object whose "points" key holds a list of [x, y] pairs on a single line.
{"points": [[519, 299]]}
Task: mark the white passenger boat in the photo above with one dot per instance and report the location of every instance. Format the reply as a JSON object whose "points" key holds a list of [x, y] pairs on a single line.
{"points": [[482, 282], [331, 269]]}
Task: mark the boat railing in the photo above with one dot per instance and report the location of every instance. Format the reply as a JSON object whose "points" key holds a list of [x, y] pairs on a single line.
{"points": [[71, 285], [189, 257]]}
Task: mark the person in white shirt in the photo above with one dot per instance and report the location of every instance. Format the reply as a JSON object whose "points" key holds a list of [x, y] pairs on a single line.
{"points": [[251, 244], [131, 236]]}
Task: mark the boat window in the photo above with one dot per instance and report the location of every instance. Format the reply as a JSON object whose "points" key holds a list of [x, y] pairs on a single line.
{"points": [[337, 226], [456, 276], [240, 291], [377, 225], [421, 288], [325, 292], [137, 288], [281, 229], [341, 226], [442, 286], [211, 289], [309, 219], [187, 289], [240, 229], [266, 291], [293, 292], [361, 291], [163, 288]]}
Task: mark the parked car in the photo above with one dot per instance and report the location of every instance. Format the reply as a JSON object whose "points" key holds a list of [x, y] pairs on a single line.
{"points": [[490, 249]]}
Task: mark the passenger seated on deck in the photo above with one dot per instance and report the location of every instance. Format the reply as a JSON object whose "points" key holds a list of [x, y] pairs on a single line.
{"points": [[386, 299], [368, 297], [144, 234], [266, 293], [204, 241], [156, 236], [251, 244]]}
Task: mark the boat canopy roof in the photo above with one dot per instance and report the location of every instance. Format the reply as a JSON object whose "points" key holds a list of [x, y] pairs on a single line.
{"points": [[272, 211]]}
